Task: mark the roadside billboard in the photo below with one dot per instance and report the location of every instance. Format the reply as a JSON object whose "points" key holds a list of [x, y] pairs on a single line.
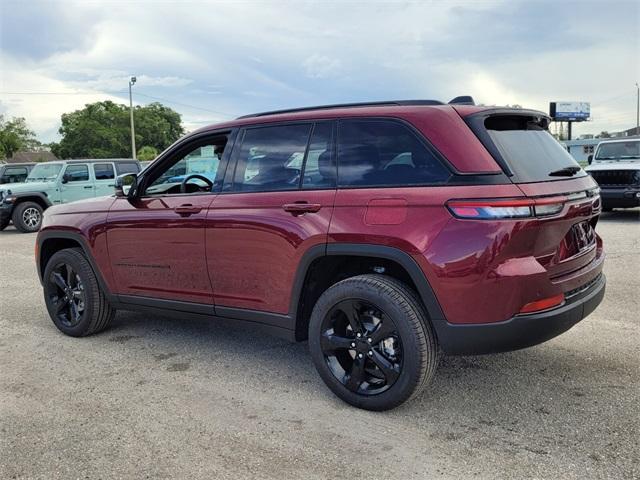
{"points": [[570, 111]]}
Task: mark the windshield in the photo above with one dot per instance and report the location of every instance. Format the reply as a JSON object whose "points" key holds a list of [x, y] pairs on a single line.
{"points": [[531, 152], [618, 151], [44, 172]]}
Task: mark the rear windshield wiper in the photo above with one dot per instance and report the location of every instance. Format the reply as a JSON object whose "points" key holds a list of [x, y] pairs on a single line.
{"points": [[569, 171]]}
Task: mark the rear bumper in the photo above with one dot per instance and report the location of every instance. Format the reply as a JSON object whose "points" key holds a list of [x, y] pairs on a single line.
{"points": [[521, 331], [620, 197]]}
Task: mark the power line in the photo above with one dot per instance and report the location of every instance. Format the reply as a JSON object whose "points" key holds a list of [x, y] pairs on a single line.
{"points": [[226, 114], [612, 99], [167, 100]]}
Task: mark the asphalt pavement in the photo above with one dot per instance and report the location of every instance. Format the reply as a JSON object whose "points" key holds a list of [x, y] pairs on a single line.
{"points": [[155, 397]]}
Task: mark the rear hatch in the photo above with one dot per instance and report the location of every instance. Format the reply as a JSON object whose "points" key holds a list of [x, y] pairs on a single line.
{"points": [[565, 200]]}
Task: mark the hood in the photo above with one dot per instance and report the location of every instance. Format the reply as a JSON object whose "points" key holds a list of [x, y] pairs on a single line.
{"points": [[88, 205], [27, 187], [614, 165]]}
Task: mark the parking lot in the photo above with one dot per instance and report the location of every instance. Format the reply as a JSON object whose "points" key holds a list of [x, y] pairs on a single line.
{"points": [[156, 398]]}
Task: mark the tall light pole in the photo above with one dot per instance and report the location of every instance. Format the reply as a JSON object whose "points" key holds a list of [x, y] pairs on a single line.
{"points": [[132, 80], [637, 109]]}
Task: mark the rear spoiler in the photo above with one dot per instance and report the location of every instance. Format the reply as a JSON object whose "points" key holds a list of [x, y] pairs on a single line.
{"points": [[463, 100]]}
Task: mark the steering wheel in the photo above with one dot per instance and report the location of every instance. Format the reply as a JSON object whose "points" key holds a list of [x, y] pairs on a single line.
{"points": [[183, 185]]}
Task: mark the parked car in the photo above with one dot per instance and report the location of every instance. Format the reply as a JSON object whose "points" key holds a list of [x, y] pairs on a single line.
{"points": [[14, 172], [421, 228], [615, 165], [58, 182]]}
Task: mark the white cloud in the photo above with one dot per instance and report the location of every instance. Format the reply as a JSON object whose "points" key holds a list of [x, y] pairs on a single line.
{"points": [[321, 66]]}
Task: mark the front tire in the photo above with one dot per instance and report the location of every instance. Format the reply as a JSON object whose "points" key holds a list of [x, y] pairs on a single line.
{"points": [[372, 343], [27, 217], [75, 302]]}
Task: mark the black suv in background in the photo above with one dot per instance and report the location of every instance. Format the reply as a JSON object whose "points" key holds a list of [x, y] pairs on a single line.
{"points": [[14, 172]]}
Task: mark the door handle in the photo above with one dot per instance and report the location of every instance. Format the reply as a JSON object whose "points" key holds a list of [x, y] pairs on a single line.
{"points": [[187, 209], [89, 186], [300, 208]]}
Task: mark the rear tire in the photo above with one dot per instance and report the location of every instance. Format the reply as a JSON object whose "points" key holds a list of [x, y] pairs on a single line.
{"points": [[27, 217], [382, 354], [76, 304]]}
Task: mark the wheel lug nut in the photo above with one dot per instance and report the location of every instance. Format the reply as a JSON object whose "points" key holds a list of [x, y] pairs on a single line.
{"points": [[358, 334], [353, 345], [360, 355], [370, 352], [369, 340]]}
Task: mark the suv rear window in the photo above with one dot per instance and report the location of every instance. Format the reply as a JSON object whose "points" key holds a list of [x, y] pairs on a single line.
{"points": [[528, 149], [384, 153]]}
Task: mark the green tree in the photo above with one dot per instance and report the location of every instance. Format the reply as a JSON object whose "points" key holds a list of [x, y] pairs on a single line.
{"points": [[603, 134], [147, 153], [102, 130], [15, 135]]}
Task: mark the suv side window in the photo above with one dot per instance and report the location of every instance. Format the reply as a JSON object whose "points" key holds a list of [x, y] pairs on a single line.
{"points": [[270, 158], [103, 171], [127, 167], [198, 165], [384, 152], [77, 173]]}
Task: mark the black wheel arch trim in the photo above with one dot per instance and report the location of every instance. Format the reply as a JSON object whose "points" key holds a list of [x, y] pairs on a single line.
{"points": [[26, 195], [428, 297], [43, 236]]}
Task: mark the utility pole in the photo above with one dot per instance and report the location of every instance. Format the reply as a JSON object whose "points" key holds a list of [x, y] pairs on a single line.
{"points": [[132, 81]]}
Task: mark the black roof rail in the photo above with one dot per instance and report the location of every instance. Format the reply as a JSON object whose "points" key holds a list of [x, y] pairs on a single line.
{"points": [[347, 105], [463, 100]]}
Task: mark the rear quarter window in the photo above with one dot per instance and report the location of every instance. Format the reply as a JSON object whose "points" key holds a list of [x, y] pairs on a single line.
{"points": [[385, 153]]}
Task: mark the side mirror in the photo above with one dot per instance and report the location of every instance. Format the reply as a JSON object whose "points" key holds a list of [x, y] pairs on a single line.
{"points": [[126, 185], [65, 178], [590, 159]]}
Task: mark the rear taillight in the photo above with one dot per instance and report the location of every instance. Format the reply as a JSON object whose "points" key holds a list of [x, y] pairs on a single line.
{"points": [[507, 208]]}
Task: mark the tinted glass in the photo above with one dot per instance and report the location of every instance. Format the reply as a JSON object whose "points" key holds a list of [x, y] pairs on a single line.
{"points": [[77, 173], [320, 166], [14, 175], [103, 171], [271, 158], [529, 150], [381, 152], [127, 167]]}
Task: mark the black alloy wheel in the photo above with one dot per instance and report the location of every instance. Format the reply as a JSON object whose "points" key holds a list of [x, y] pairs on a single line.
{"points": [[361, 346], [75, 300], [372, 342], [66, 294]]}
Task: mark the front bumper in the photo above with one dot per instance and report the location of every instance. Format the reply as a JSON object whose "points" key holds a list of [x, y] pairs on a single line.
{"points": [[6, 209], [620, 197], [522, 331]]}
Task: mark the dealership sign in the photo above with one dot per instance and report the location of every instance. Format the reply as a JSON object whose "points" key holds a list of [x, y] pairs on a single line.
{"points": [[570, 111]]}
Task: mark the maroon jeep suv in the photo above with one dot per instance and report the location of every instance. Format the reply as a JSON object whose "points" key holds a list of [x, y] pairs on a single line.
{"points": [[384, 233]]}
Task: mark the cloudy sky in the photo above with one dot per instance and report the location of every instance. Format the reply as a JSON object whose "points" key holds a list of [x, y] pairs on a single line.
{"points": [[216, 60]]}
